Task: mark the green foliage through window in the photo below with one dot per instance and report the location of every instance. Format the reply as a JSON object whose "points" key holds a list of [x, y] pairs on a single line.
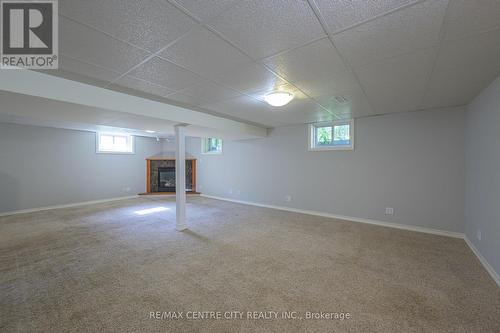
{"points": [[333, 135], [212, 145], [324, 135]]}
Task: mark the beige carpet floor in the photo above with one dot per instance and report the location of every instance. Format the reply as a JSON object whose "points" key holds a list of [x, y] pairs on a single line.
{"points": [[106, 267]]}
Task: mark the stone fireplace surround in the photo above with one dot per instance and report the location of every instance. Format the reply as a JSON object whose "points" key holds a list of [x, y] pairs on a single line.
{"points": [[167, 160]]}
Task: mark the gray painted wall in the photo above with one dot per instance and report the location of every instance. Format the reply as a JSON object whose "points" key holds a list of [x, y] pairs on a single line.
{"points": [[42, 166], [482, 176], [413, 162]]}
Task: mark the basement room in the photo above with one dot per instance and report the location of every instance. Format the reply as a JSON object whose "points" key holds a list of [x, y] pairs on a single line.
{"points": [[250, 166]]}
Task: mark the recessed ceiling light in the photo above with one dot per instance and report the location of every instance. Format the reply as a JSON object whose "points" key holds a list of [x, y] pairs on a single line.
{"points": [[150, 131], [278, 98]]}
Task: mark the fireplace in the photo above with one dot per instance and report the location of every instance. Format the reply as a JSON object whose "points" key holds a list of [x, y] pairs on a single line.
{"points": [[166, 179], [160, 174]]}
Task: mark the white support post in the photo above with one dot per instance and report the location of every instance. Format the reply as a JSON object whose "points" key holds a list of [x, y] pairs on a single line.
{"points": [[180, 177]]}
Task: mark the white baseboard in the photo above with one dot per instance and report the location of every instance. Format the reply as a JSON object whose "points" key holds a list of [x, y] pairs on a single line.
{"points": [[347, 218], [31, 210], [494, 275]]}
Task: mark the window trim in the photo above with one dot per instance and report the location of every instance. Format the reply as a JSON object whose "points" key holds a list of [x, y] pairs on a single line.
{"points": [[204, 143], [311, 135], [129, 137]]}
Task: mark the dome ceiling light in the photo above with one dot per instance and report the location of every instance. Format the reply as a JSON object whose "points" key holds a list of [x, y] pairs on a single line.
{"points": [[278, 98]]}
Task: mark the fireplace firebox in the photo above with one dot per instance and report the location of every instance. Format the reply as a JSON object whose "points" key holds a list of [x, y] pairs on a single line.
{"points": [[166, 179]]}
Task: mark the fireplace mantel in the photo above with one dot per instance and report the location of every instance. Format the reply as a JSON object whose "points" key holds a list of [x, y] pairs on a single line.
{"points": [[167, 159]]}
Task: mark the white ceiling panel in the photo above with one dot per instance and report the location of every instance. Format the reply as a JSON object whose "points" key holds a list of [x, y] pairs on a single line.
{"points": [[249, 78], [468, 17], [316, 68], [339, 84], [481, 53], [262, 28], [82, 68], [204, 10], [463, 68], [342, 14], [76, 70], [357, 104], [142, 85], [398, 83], [298, 111], [205, 53], [80, 42], [164, 73], [210, 92], [404, 31], [150, 25], [453, 87], [301, 111], [389, 56]]}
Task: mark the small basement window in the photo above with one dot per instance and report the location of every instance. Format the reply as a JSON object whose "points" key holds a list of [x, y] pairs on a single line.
{"points": [[211, 146], [115, 143], [337, 135]]}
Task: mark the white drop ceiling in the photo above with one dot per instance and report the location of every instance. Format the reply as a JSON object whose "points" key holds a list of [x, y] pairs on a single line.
{"points": [[223, 56]]}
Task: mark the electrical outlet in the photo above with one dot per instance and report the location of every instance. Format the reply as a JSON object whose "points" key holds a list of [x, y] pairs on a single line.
{"points": [[479, 235], [389, 211], [230, 191], [238, 192], [200, 187], [126, 189], [288, 198]]}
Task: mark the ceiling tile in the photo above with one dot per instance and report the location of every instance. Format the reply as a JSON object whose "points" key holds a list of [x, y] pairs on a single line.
{"points": [[249, 109], [477, 52], [76, 70], [205, 53], [301, 111], [466, 17], [151, 26], [262, 28], [205, 10], [210, 92], [398, 83], [164, 73], [249, 78], [88, 45], [78, 67], [142, 85], [342, 14], [317, 69], [356, 105], [453, 87], [407, 30], [463, 68]]}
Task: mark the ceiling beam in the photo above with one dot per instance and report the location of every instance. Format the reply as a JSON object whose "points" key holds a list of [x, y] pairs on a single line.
{"points": [[47, 86]]}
